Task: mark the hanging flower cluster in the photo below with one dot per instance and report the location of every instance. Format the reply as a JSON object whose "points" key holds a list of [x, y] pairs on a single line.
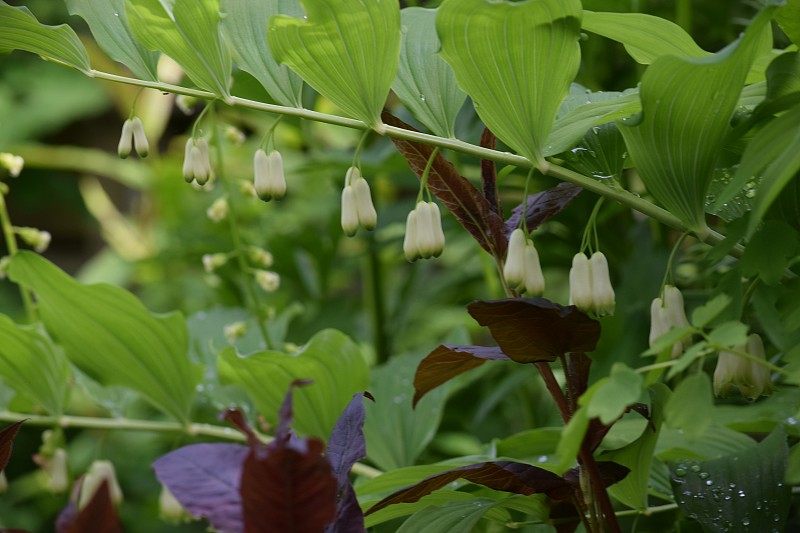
{"points": [[133, 137], [590, 284], [735, 372], [424, 235], [666, 314], [270, 182], [522, 269], [357, 207], [196, 162]]}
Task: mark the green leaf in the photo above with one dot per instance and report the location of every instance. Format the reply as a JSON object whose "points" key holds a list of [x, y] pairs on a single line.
{"points": [[188, 32], [687, 105], [571, 439], [330, 359], [440, 497], [425, 83], [769, 251], [743, 492], [347, 50], [793, 470], [707, 312], [516, 61], [452, 517], [608, 398], [638, 455], [111, 336], [19, 30], [396, 432], [34, 366], [691, 406], [109, 25], [244, 25], [732, 333], [645, 37], [788, 17], [538, 443]]}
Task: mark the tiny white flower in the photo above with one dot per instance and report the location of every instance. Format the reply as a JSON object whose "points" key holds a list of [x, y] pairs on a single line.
{"points": [[13, 163], [185, 103], [56, 470], [603, 298], [270, 182], [349, 211], [202, 163], [139, 138], [125, 139], [218, 211], [410, 248], [267, 280], [367, 216], [580, 283], [514, 268], [260, 257], [734, 372], [534, 278], [234, 135], [211, 262], [438, 232], [235, 331], [170, 509], [99, 471], [37, 239]]}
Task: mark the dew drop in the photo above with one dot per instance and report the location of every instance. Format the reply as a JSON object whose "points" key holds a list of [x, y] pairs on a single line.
{"points": [[680, 472], [694, 468], [422, 97]]}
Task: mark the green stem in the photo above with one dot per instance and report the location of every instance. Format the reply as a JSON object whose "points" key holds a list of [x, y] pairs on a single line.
{"points": [[237, 238], [11, 244], [373, 289]]}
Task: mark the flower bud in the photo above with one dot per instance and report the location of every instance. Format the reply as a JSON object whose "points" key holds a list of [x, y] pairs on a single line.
{"points": [[735, 372], [125, 139], [659, 320], [56, 470], [218, 211], [270, 181], [260, 257], [367, 216], [426, 238], [410, 248], [267, 280], [603, 299], [170, 509], [235, 331], [234, 135], [349, 211], [98, 472], [188, 161], [13, 163], [185, 103], [35, 238], [534, 279], [580, 283], [211, 262], [139, 138], [202, 163], [438, 232], [514, 268], [673, 303]]}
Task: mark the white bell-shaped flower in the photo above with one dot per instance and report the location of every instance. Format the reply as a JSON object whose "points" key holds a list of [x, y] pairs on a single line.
{"points": [[734, 372], [98, 472], [410, 248], [668, 313], [270, 182], [139, 138], [603, 298], [426, 236], [534, 278], [514, 268], [438, 232], [580, 283], [349, 217], [367, 215], [125, 139]]}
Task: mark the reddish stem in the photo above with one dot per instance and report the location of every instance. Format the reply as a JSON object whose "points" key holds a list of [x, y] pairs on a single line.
{"points": [[555, 390]]}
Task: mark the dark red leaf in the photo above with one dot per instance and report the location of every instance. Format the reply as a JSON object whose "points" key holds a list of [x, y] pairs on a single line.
{"points": [[506, 476], [565, 516], [610, 473], [292, 488], [542, 206], [7, 435], [529, 330], [6, 530], [489, 171], [448, 361], [283, 432], [205, 479], [236, 418], [99, 515], [461, 197]]}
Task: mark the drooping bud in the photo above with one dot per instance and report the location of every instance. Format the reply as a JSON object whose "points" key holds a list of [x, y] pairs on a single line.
{"points": [[367, 216], [125, 139], [603, 298], [534, 278], [269, 281], [514, 268], [211, 262], [37, 239], [260, 257], [438, 232], [218, 211], [659, 320], [139, 138], [13, 163], [185, 103], [235, 331], [426, 238], [410, 248], [349, 211], [270, 181], [667, 314], [188, 161], [202, 163], [98, 472], [170, 509], [735, 372], [234, 135], [580, 283], [673, 302]]}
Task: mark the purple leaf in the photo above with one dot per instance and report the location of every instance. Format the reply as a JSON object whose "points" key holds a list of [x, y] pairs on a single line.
{"points": [[349, 516], [531, 330], [205, 479], [448, 361], [7, 435], [542, 206], [506, 476]]}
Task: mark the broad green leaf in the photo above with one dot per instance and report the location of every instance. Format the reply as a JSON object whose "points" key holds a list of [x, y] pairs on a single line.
{"points": [[691, 406], [245, 27], [452, 517], [538, 443], [770, 250], [330, 359], [743, 492], [392, 480], [707, 312], [19, 30], [425, 83], [109, 25], [571, 439], [33, 366], [437, 498], [638, 455], [788, 17], [516, 61], [687, 105], [793, 469], [111, 336], [608, 398], [347, 50], [645, 37], [188, 32], [732, 333], [396, 432]]}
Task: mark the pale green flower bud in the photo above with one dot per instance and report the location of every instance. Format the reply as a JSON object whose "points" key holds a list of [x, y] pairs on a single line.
{"points": [[735, 372], [534, 278], [35, 238], [438, 232], [349, 211], [260, 257], [673, 302], [410, 248], [367, 216], [188, 161], [125, 139], [139, 138], [170, 509], [235, 331], [580, 283], [211, 262], [667, 314], [267, 280], [99, 471], [185, 103], [426, 238], [13, 163], [56, 470], [603, 298], [659, 320], [270, 181], [234, 135], [514, 268], [202, 163], [218, 211]]}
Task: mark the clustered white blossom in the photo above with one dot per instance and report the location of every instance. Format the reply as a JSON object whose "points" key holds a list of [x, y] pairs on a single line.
{"points": [[522, 269], [357, 207], [218, 211], [269, 281], [590, 287], [270, 182], [666, 314], [196, 162], [234, 331], [735, 372], [424, 235], [133, 137]]}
